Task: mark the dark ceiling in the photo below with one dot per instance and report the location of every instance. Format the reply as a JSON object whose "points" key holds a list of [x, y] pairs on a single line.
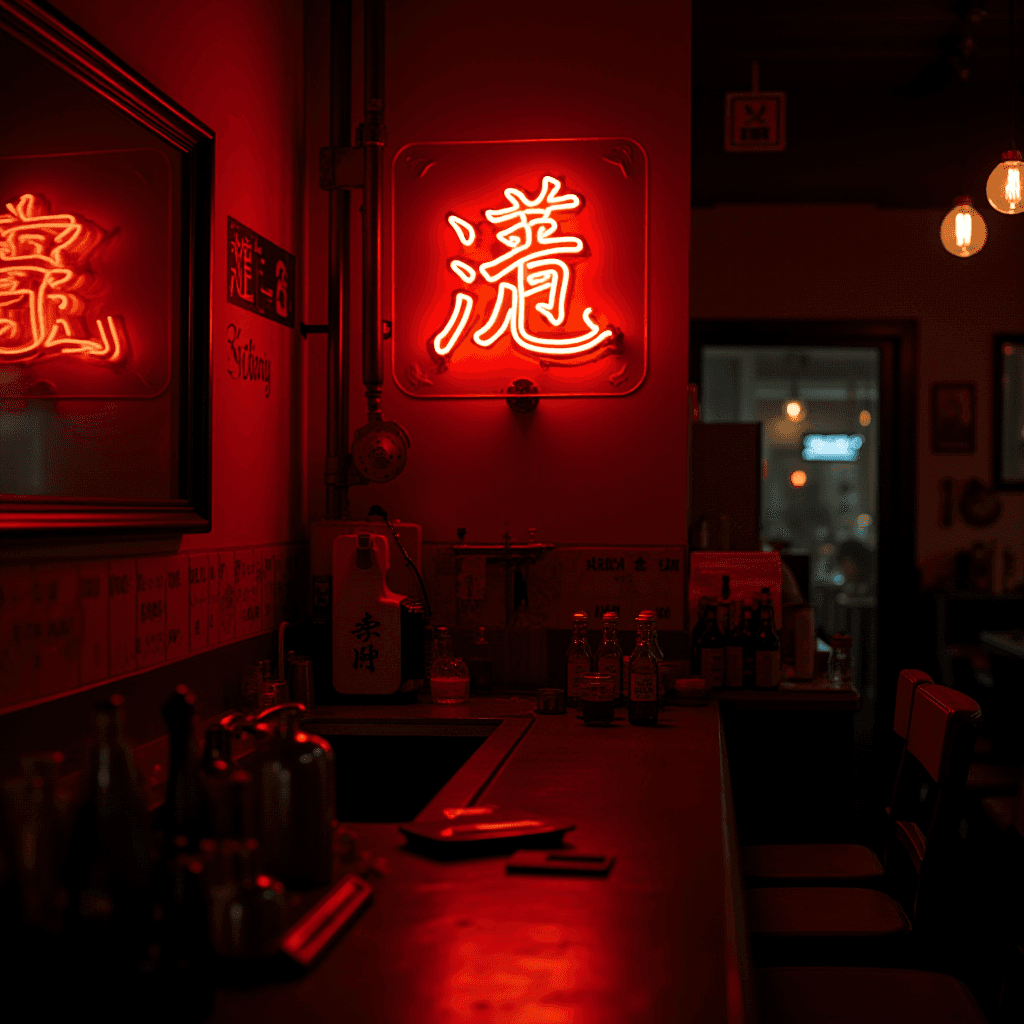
{"points": [[903, 103]]}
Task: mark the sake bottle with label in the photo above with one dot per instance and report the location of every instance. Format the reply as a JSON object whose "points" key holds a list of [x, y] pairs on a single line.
{"points": [[643, 678], [579, 659], [609, 654]]}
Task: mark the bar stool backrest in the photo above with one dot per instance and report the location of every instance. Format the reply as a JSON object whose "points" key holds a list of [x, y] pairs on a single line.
{"points": [[910, 679], [928, 805], [941, 723]]}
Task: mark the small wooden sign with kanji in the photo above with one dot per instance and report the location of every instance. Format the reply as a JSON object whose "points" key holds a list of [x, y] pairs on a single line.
{"points": [[755, 122]]}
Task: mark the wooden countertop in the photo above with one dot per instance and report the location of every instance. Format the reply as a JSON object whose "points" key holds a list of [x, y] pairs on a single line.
{"points": [[660, 939]]}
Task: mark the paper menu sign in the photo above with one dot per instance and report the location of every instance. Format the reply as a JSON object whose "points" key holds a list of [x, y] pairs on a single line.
{"points": [[20, 637], [177, 607], [151, 626], [122, 615], [57, 608], [94, 661], [198, 602], [248, 598]]}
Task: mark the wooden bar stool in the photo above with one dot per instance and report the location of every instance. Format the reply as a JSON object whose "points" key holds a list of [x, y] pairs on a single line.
{"points": [[853, 995], [810, 924], [837, 864]]}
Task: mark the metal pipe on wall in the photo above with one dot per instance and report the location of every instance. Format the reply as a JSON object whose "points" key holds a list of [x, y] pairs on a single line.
{"points": [[338, 269], [372, 140]]}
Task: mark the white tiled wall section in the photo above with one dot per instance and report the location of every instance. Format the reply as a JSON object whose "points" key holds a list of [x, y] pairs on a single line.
{"points": [[68, 625]]}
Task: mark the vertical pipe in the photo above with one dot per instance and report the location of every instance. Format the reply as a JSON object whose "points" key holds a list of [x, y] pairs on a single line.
{"points": [[336, 470], [373, 156]]}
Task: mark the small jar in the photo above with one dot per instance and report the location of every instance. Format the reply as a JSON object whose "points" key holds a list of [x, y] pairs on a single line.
{"points": [[597, 698], [449, 675], [840, 662]]}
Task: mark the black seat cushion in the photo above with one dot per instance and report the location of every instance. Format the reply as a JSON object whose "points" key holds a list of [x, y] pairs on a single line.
{"points": [[816, 863], [858, 995], [824, 912]]}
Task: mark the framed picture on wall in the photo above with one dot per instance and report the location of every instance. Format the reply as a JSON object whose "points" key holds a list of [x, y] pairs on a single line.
{"points": [[105, 202], [1008, 412], [954, 419]]}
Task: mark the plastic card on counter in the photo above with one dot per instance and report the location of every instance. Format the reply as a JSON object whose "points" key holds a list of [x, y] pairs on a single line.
{"points": [[559, 862]]}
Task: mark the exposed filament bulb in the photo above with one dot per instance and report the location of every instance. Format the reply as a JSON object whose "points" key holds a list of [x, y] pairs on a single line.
{"points": [[963, 231], [1003, 187]]}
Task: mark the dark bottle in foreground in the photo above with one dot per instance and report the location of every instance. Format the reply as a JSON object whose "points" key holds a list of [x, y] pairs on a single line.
{"points": [[578, 660], [767, 655], [109, 869], [643, 678]]}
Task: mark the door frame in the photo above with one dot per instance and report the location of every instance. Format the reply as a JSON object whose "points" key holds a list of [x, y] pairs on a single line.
{"points": [[898, 580]]}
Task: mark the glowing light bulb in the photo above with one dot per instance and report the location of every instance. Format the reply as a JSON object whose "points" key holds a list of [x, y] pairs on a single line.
{"points": [[1003, 187], [798, 478], [963, 231], [865, 418], [795, 411]]}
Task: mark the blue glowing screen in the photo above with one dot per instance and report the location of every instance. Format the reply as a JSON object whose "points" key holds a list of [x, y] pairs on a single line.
{"points": [[832, 447]]}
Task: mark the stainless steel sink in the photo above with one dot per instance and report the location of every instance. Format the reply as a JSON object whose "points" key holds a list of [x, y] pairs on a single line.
{"points": [[394, 769]]}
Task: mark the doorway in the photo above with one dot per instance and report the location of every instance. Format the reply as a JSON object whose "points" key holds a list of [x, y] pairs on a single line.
{"points": [[836, 401]]}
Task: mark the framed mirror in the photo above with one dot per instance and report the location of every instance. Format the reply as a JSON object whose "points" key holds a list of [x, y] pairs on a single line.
{"points": [[1008, 412], [105, 202]]}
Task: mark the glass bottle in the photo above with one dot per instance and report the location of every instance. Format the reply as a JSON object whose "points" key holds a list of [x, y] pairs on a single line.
{"points": [[840, 661], [751, 619], [767, 654], [735, 647], [449, 675], [181, 812], [109, 860], [579, 660], [712, 655], [643, 678], [609, 654], [697, 636], [651, 618], [481, 663]]}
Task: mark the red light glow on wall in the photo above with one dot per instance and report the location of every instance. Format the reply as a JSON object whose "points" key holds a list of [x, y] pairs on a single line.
{"points": [[520, 259], [43, 257]]}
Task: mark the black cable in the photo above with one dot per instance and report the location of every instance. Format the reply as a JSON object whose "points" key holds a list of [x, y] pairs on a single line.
{"points": [[376, 510], [1013, 81]]}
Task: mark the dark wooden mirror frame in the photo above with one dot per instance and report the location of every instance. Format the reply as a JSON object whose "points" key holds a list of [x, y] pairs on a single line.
{"points": [[999, 482], [50, 34]]}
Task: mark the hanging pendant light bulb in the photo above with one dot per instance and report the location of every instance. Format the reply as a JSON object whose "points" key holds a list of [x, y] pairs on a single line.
{"points": [[1004, 185], [963, 232]]}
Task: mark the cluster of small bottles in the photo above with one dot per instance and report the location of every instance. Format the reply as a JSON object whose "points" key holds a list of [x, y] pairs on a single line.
{"points": [[638, 680], [735, 644], [123, 904]]}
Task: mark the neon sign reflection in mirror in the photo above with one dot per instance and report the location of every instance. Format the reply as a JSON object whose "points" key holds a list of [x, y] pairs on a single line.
{"points": [[534, 244], [832, 447], [45, 282]]}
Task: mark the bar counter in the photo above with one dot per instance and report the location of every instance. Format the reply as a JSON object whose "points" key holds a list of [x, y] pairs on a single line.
{"points": [[661, 938]]}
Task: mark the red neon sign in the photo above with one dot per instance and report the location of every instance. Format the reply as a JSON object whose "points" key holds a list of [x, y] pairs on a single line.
{"points": [[532, 240], [549, 284], [43, 271]]}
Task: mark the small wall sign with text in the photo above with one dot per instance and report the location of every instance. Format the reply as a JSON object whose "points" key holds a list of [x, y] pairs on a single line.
{"points": [[244, 362], [755, 121], [261, 275]]}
